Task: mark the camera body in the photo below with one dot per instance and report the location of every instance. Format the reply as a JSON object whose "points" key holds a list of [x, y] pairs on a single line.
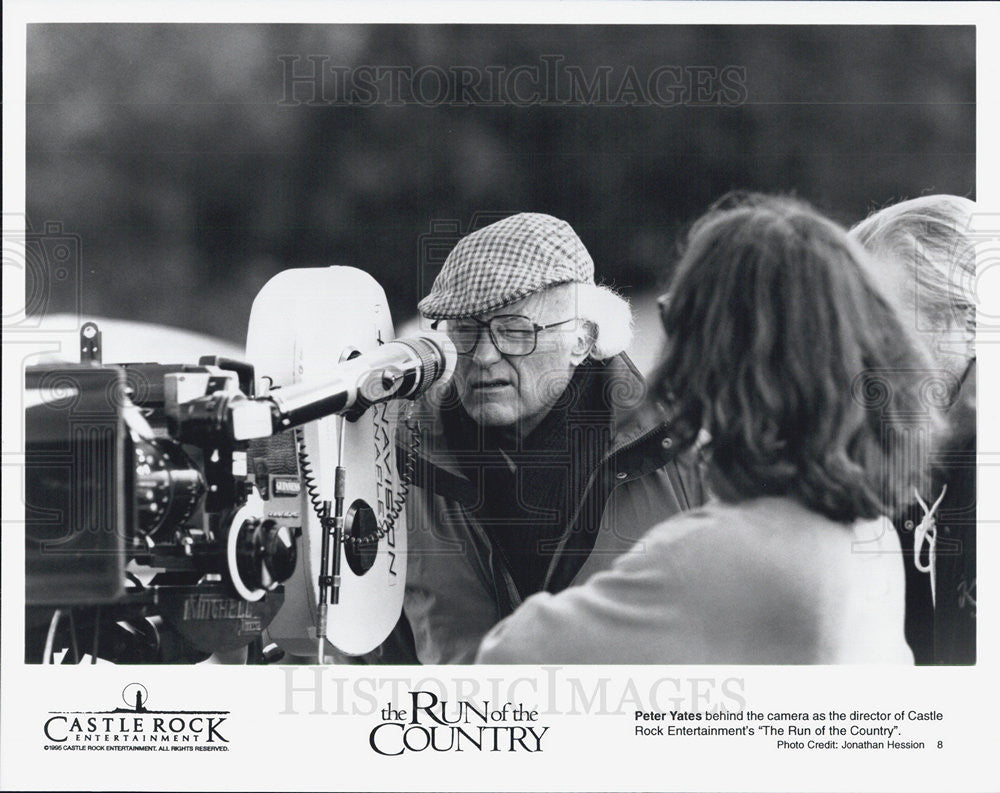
{"points": [[155, 526]]}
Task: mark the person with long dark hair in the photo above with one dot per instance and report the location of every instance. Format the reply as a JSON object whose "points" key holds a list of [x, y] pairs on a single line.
{"points": [[792, 374]]}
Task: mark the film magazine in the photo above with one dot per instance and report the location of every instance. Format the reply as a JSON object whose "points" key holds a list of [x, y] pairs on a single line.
{"points": [[564, 396]]}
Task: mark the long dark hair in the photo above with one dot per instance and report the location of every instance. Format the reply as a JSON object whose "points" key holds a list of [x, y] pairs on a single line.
{"points": [[782, 348]]}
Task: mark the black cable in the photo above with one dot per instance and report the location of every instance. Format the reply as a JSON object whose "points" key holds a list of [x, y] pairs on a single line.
{"points": [[309, 481], [395, 509], [48, 654], [97, 635], [72, 636]]}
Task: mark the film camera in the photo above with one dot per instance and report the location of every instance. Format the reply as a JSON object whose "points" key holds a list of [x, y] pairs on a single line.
{"points": [[174, 511]]}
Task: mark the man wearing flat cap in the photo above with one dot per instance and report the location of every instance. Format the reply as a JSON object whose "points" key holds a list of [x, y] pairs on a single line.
{"points": [[535, 469]]}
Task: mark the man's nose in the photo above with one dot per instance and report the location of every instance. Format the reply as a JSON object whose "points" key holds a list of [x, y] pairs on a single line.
{"points": [[485, 352]]}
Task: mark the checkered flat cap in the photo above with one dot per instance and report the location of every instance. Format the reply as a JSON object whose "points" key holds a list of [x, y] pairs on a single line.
{"points": [[505, 261]]}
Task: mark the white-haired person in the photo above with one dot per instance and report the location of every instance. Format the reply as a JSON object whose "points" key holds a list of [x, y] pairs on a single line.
{"points": [[925, 259], [534, 470]]}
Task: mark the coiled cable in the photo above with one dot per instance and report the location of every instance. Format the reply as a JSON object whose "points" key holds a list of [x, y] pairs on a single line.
{"points": [[399, 500]]}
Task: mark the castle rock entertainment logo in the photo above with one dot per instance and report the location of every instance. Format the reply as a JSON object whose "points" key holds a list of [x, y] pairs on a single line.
{"points": [[136, 727]]}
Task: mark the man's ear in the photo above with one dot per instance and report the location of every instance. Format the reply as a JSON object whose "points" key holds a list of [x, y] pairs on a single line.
{"points": [[586, 337]]}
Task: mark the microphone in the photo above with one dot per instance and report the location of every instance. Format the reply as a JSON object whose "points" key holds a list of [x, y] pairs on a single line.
{"points": [[401, 369]]}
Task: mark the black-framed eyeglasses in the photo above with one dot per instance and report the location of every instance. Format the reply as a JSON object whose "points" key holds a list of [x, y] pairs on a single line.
{"points": [[511, 334]]}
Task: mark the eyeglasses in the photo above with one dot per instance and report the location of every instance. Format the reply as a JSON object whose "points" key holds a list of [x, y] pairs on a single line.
{"points": [[511, 334]]}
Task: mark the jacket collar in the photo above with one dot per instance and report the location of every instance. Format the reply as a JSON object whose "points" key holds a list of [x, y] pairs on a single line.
{"points": [[640, 437]]}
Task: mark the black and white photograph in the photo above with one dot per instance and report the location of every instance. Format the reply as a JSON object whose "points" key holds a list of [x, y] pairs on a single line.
{"points": [[497, 359]]}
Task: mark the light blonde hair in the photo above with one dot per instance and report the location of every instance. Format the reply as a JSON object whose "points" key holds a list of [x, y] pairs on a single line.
{"points": [[929, 238]]}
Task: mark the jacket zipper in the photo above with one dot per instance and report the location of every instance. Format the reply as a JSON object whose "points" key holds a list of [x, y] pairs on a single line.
{"points": [[514, 594]]}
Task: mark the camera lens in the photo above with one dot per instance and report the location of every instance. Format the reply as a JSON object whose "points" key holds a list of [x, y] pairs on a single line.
{"points": [[168, 486]]}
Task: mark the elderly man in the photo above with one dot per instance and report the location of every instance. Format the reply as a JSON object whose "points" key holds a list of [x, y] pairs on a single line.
{"points": [[534, 470]]}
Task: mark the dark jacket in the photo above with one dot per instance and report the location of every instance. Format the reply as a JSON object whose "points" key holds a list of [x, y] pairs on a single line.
{"points": [[459, 582], [955, 549], [941, 629]]}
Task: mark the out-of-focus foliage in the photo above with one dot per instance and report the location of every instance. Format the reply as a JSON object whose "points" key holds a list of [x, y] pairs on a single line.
{"points": [[166, 148]]}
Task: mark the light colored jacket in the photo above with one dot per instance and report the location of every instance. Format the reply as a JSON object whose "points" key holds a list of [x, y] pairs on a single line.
{"points": [[764, 581], [458, 584]]}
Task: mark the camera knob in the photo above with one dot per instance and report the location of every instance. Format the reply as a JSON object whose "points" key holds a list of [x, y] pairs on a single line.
{"points": [[280, 551], [266, 552]]}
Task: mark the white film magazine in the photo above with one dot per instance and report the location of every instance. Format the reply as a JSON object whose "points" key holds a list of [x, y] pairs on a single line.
{"points": [[604, 513]]}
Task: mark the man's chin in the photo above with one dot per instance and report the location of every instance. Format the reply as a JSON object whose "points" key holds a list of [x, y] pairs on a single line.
{"points": [[490, 415]]}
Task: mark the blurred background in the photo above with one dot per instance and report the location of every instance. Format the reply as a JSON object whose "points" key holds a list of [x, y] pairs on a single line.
{"points": [[190, 167]]}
